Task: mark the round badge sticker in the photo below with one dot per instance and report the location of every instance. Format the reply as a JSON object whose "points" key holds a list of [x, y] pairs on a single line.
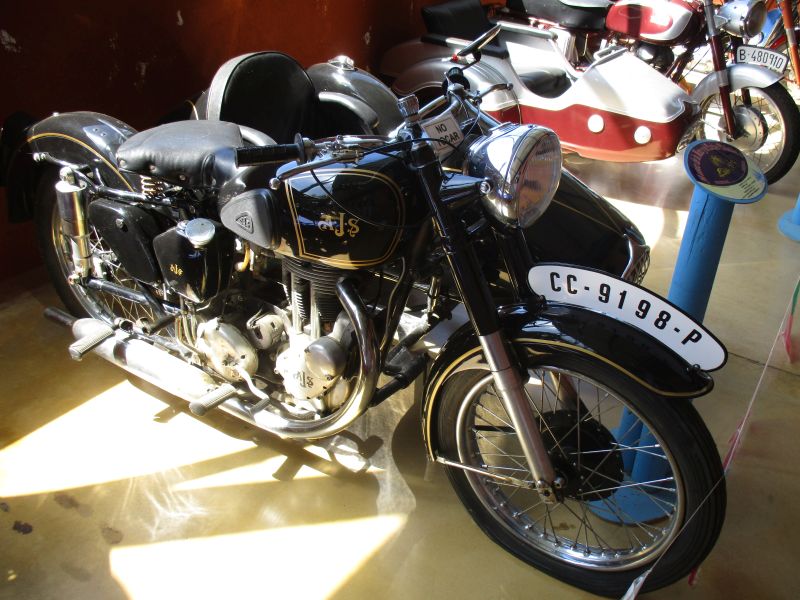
{"points": [[724, 171]]}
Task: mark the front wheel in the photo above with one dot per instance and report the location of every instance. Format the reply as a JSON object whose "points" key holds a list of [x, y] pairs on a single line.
{"points": [[642, 480], [768, 123]]}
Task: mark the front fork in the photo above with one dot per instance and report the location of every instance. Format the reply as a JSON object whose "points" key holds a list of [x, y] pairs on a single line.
{"points": [[721, 71], [474, 291]]}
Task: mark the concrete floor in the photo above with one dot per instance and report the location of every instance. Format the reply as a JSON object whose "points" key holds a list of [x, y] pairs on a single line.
{"points": [[110, 489]]}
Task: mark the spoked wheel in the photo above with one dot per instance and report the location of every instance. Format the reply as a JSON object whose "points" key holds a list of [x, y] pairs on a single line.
{"points": [[634, 468], [55, 248], [769, 126]]}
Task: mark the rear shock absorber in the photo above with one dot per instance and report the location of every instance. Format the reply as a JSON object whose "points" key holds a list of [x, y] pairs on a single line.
{"points": [[71, 201]]}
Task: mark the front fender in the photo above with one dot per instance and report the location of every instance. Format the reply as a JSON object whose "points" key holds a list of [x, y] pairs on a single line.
{"points": [[740, 76], [558, 329], [78, 137]]}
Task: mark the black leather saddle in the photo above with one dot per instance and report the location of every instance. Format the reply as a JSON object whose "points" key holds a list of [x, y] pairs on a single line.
{"points": [[267, 91], [196, 154], [589, 15], [271, 96]]}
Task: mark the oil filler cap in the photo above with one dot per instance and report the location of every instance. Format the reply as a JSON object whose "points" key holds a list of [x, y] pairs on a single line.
{"points": [[198, 231]]}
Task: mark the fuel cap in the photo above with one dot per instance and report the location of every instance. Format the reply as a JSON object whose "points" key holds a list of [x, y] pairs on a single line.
{"points": [[198, 231]]}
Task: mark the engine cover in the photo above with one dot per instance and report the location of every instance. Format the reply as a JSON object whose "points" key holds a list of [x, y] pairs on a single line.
{"points": [[310, 368], [226, 348]]}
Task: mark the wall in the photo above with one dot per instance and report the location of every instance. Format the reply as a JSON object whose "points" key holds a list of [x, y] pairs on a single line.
{"points": [[139, 60]]}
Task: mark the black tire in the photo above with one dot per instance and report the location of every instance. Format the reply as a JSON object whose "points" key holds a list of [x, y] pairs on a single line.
{"points": [[54, 248], [775, 113], [472, 432]]}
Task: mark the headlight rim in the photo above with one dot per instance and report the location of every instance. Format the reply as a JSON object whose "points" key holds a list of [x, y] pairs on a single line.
{"points": [[504, 202]]}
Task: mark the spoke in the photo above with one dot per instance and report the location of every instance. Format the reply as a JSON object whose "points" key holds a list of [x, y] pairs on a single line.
{"points": [[485, 466], [519, 464], [585, 523], [624, 448], [479, 405], [501, 453], [648, 484]]}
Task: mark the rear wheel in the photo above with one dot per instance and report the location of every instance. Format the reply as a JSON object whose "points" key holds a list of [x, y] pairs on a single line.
{"points": [[642, 477], [769, 124], [56, 252]]}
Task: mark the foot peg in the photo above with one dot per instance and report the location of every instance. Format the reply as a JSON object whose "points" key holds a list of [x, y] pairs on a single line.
{"points": [[212, 399], [80, 348], [99, 333]]}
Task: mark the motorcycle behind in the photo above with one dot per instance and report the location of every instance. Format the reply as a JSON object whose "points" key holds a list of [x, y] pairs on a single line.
{"points": [[582, 69], [278, 281]]}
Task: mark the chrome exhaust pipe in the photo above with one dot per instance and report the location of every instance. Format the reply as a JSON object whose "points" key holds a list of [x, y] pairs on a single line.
{"points": [[148, 362], [194, 385]]}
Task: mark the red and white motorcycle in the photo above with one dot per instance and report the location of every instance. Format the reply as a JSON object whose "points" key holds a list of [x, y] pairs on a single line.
{"points": [[615, 106]]}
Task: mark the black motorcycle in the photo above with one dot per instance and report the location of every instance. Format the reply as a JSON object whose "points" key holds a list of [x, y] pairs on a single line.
{"points": [[276, 282]]}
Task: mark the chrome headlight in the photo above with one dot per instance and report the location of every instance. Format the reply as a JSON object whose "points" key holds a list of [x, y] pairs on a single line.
{"points": [[522, 164], [743, 18]]}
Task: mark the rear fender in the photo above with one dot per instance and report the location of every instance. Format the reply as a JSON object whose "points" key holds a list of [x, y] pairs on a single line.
{"points": [[86, 138], [562, 329]]}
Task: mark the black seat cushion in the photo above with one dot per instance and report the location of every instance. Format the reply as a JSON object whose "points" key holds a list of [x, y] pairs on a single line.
{"points": [[581, 14], [268, 91], [549, 82], [186, 153]]}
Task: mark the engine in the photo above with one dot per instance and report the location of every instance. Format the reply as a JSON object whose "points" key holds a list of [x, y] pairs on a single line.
{"points": [[297, 355]]}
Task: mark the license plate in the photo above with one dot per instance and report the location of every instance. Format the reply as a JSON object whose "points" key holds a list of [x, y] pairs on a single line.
{"points": [[445, 132], [760, 56], [631, 304]]}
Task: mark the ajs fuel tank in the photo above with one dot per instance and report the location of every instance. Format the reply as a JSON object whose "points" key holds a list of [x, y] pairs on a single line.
{"points": [[345, 215]]}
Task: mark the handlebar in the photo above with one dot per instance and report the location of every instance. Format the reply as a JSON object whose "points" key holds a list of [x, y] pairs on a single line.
{"points": [[256, 155]]}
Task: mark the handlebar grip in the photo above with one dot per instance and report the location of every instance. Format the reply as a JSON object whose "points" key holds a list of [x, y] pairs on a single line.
{"points": [[256, 155]]}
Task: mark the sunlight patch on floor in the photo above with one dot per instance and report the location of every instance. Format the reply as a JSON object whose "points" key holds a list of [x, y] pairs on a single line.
{"points": [[109, 437], [293, 562]]}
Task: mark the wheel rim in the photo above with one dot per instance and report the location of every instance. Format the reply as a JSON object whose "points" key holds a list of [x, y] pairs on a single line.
{"points": [[761, 121], [597, 527], [100, 305]]}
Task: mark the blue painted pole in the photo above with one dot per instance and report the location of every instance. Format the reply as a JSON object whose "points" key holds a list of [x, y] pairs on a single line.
{"points": [[700, 252], [789, 223]]}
